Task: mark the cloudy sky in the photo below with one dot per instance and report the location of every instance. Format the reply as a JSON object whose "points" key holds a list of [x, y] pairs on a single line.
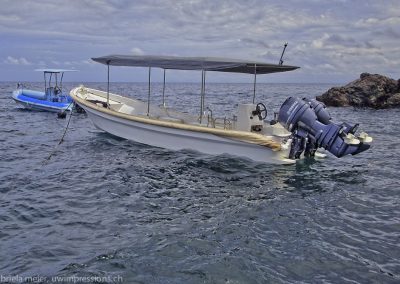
{"points": [[331, 40]]}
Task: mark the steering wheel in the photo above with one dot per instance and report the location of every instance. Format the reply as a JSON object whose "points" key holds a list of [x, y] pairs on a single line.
{"points": [[261, 111]]}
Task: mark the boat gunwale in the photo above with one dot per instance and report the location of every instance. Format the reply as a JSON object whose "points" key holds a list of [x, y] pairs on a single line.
{"points": [[243, 136]]}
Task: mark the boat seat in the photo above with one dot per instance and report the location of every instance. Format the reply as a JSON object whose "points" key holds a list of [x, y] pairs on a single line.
{"points": [[115, 106], [276, 130], [126, 109]]}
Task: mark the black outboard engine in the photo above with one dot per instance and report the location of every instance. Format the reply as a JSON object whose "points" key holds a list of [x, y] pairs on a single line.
{"points": [[312, 127]]}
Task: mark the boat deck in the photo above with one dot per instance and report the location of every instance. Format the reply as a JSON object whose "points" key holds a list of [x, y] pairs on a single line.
{"points": [[138, 108]]}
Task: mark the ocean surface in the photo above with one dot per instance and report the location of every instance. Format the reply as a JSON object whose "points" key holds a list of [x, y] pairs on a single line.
{"points": [[123, 212]]}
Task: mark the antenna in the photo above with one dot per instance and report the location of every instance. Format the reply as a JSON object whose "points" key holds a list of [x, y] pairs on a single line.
{"points": [[283, 52]]}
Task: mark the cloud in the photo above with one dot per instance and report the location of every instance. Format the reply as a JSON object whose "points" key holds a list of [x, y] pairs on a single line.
{"points": [[137, 51], [16, 61], [374, 22], [339, 42], [347, 35]]}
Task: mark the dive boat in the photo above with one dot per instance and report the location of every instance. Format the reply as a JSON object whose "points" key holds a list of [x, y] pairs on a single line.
{"points": [[298, 130], [53, 98]]}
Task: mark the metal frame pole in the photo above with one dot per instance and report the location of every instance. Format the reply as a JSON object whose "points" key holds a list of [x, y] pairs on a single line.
{"points": [[255, 81], [204, 89], [45, 82], [201, 96], [62, 76], [148, 95], [163, 92], [108, 84]]}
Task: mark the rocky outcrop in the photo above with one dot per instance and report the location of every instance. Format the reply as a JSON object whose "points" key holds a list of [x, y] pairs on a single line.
{"points": [[371, 90]]}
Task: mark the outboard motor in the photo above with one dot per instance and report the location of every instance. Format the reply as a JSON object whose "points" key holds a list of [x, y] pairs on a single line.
{"points": [[312, 127]]}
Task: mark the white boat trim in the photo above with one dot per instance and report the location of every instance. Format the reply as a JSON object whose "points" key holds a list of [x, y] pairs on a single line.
{"points": [[266, 141], [159, 132]]}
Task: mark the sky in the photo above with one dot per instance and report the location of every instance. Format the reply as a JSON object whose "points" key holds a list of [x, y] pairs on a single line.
{"points": [[332, 41]]}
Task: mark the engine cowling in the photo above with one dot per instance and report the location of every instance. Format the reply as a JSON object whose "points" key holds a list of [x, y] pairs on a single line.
{"points": [[312, 127]]}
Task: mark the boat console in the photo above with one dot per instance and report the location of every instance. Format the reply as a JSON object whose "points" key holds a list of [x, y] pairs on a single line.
{"points": [[250, 118]]}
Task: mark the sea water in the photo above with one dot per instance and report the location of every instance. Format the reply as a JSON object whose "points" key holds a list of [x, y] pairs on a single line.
{"points": [[118, 211]]}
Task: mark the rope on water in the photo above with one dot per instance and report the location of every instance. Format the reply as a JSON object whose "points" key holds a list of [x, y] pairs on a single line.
{"points": [[29, 172], [62, 138]]}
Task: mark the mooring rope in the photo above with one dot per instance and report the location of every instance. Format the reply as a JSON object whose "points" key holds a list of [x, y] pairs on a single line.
{"points": [[44, 162], [62, 137]]}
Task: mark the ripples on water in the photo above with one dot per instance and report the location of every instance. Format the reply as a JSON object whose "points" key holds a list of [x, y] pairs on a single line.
{"points": [[104, 206]]}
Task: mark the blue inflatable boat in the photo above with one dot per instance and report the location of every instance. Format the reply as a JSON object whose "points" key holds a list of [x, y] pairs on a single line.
{"points": [[52, 99]]}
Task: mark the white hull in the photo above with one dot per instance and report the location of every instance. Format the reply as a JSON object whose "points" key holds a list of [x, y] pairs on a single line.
{"points": [[177, 139]]}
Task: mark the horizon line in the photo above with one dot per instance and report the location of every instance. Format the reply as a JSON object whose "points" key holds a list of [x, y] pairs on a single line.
{"points": [[178, 82]]}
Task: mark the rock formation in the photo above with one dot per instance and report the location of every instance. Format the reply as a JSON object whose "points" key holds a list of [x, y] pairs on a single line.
{"points": [[371, 90]]}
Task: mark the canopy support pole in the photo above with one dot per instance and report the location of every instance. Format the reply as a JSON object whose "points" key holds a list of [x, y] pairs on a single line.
{"points": [[62, 75], [45, 82], [108, 84], [148, 95], [203, 79], [255, 81], [204, 89], [163, 92]]}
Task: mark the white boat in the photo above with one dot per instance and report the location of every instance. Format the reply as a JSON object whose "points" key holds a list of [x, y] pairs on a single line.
{"points": [[52, 99], [298, 131]]}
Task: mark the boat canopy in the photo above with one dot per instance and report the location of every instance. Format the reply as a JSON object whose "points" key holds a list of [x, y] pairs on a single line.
{"points": [[194, 63], [49, 70]]}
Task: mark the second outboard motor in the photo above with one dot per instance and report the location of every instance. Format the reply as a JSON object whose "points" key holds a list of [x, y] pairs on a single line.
{"points": [[320, 110], [311, 128]]}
